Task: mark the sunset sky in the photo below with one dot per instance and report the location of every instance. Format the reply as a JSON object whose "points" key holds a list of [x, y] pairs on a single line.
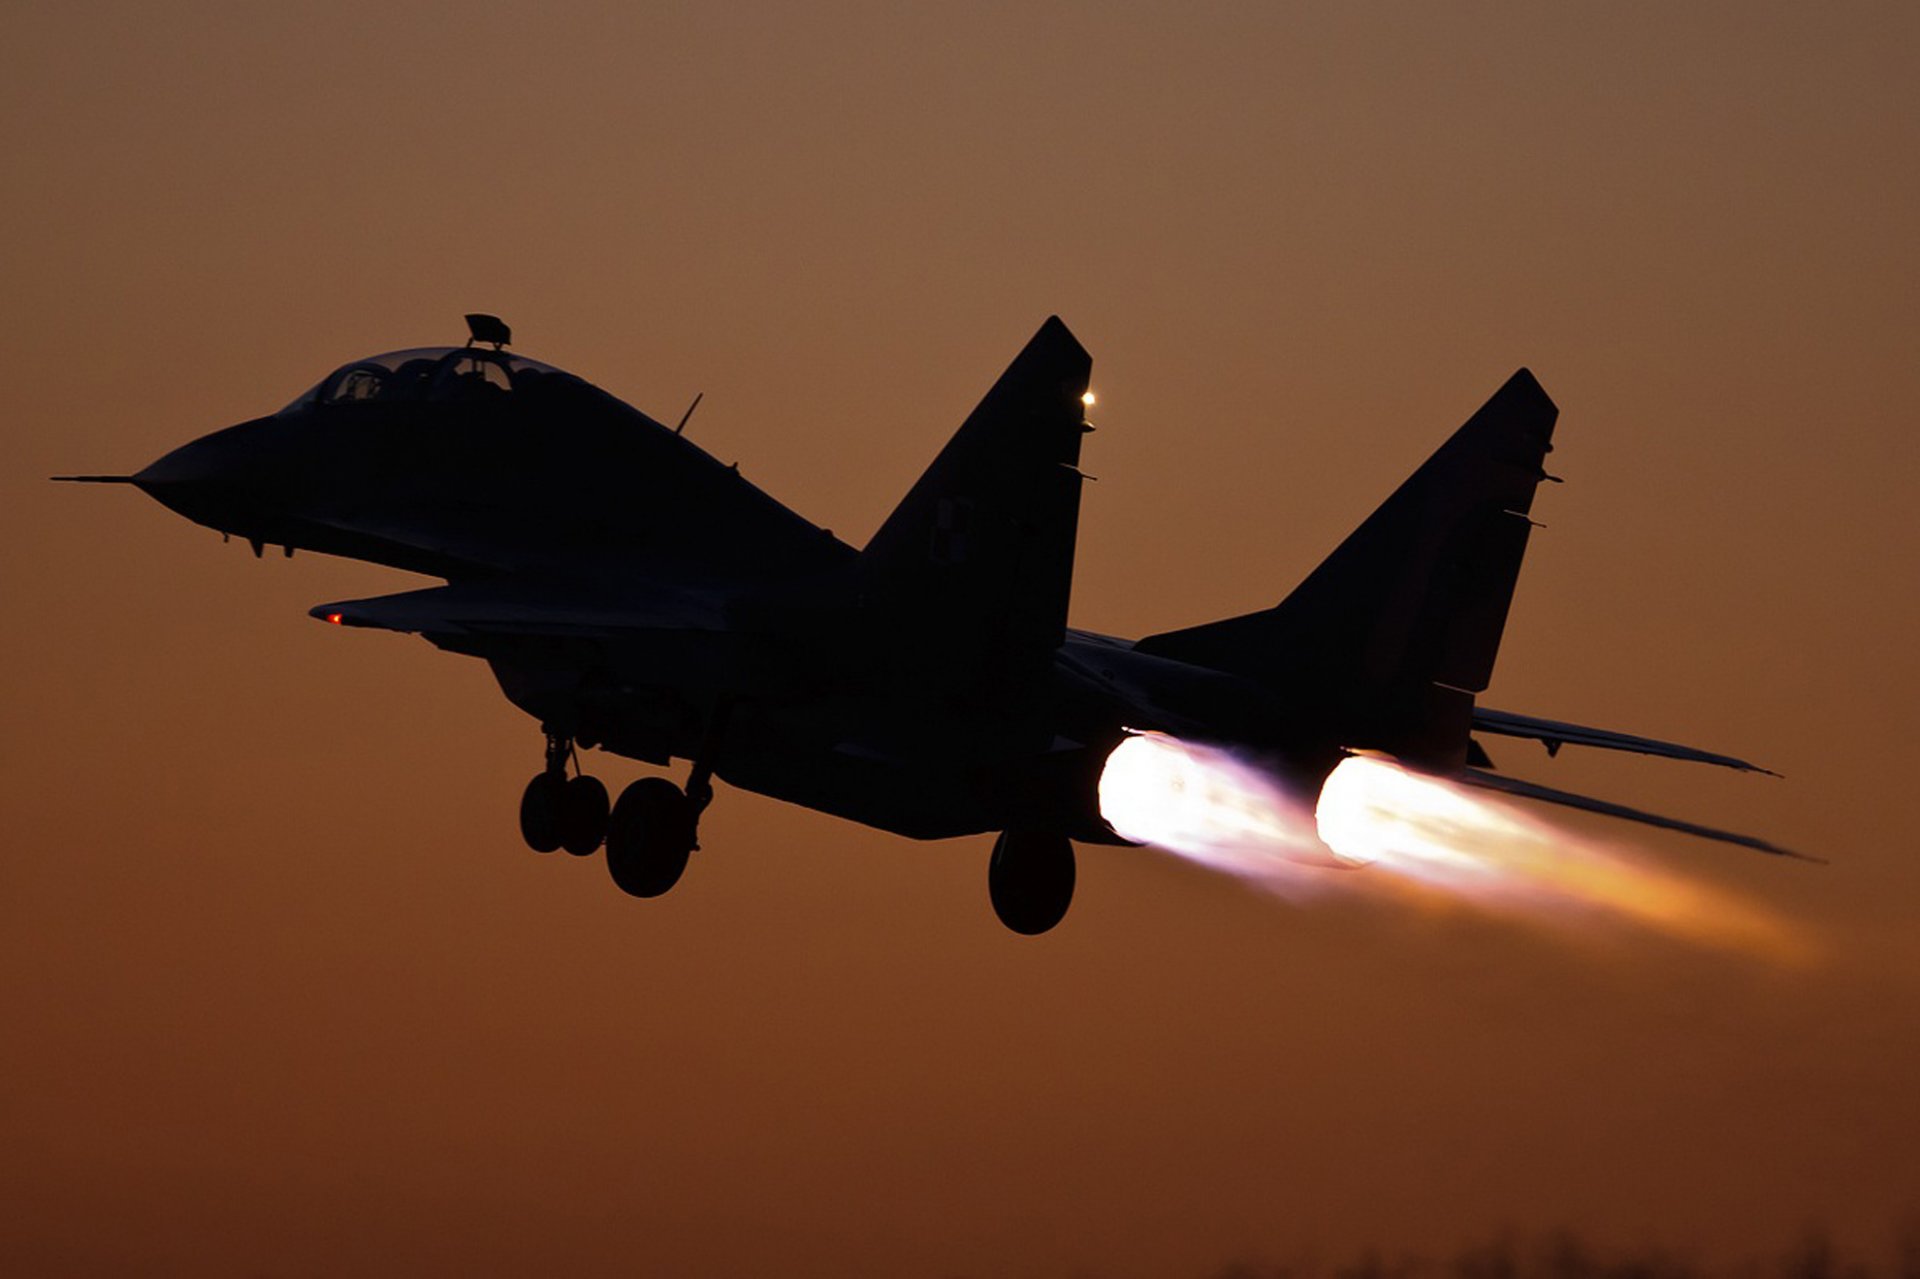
{"points": [[281, 992]]}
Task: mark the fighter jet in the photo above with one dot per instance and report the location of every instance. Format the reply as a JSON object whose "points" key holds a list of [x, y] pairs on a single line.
{"points": [[635, 595]]}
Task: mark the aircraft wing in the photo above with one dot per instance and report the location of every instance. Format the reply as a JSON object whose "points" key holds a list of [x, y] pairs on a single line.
{"points": [[1555, 734], [514, 609], [1547, 794]]}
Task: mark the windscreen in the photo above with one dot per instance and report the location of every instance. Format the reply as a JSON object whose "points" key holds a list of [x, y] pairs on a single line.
{"points": [[428, 372]]}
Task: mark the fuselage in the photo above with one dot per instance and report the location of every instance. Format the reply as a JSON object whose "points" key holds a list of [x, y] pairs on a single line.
{"points": [[488, 469]]}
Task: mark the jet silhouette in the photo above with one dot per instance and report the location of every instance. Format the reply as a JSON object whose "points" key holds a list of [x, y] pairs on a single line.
{"points": [[632, 593]]}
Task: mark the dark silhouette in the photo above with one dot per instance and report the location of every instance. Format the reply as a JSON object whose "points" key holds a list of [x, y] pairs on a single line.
{"points": [[1563, 1255], [632, 593]]}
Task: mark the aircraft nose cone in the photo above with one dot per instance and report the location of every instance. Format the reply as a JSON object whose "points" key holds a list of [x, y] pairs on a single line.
{"points": [[199, 463], [206, 479]]}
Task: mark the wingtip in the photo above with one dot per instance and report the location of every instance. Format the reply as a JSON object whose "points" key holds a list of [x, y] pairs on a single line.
{"points": [[333, 614]]}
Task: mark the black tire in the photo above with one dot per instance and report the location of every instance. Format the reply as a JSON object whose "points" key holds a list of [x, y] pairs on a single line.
{"points": [[649, 837], [583, 815], [540, 807], [1030, 880]]}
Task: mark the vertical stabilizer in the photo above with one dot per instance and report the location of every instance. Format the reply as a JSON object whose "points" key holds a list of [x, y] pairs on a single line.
{"points": [[1390, 637], [977, 560]]}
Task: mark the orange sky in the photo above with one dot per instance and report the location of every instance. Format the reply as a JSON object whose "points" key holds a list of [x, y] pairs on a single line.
{"points": [[283, 993]]}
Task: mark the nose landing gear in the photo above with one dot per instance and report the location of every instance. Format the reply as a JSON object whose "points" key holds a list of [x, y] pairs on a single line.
{"points": [[583, 815], [557, 811], [540, 807]]}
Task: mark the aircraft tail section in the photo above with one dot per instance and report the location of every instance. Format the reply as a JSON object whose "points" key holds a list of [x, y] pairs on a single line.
{"points": [[1387, 641], [976, 562]]}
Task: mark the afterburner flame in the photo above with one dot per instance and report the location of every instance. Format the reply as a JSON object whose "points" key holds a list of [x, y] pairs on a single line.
{"points": [[1211, 807], [1422, 838]]}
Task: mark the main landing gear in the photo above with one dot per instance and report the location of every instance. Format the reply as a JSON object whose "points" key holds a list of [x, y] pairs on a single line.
{"points": [[650, 837], [654, 828], [1030, 880], [649, 833]]}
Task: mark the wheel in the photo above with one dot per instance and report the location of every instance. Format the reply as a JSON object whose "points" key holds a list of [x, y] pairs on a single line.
{"points": [[649, 837], [540, 807], [583, 815], [1030, 880]]}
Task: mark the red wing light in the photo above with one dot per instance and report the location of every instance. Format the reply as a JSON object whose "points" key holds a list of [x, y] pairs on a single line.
{"points": [[336, 618]]}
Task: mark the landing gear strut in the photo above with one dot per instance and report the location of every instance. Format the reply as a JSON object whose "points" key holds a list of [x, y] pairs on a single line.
{"points": [[656, 825], [1030, 880], [557, 811], [649, 834]]}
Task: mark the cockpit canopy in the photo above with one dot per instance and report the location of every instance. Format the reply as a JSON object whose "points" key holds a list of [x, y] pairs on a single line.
{"points": [[427, 373]]}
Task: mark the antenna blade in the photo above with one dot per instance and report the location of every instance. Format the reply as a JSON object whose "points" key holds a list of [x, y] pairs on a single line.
{"points": [[681, 429]]}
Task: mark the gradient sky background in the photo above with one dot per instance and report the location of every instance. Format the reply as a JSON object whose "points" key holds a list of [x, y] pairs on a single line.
{"points": [[282, 992]]}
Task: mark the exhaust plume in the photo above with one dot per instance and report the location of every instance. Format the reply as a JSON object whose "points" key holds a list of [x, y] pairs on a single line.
{"points": [[1420, 838]]}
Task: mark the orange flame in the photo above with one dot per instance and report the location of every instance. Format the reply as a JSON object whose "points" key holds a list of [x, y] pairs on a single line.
{"points": [[1421, 837]]}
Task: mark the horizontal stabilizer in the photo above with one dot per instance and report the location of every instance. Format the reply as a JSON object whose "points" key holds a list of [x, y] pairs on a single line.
{"points": [[1546, 794], [1555, 734]]}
